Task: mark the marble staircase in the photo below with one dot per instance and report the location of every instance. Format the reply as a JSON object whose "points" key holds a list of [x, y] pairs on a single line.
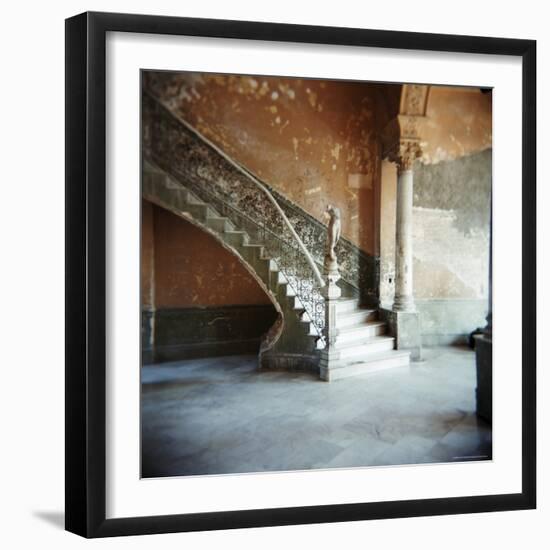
{"points": [[359, 343], [295, 345]]}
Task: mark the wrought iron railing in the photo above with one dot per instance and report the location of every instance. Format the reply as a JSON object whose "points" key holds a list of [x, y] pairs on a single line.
{"points": [[178, 148], [280, 247]]}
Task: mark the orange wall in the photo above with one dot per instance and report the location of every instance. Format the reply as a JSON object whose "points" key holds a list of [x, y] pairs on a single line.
{"points": [[313, 140], [191, 269], [459, 122], [317, 141]]}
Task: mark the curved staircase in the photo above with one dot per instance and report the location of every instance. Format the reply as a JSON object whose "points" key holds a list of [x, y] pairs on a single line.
{"points": [[185, 173], [294, 341], [360, 346]]}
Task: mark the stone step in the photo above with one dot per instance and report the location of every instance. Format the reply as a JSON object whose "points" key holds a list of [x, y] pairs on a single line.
{"points": [[346, 305], [297, 303], [309, 329], [193, 199], [198, 211], [210, 211], [365, 347], [252, 256], [218, 224], [358, 333], [355, 317], [179, 203], [253, 253], [273, 266], [292, 304], [281, 278], [289, 288], [285, 291], [368, 365], [235, 238], [158, 186]]}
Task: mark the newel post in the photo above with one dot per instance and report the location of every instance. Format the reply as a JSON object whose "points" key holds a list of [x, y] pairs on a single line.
{"points": [[332, 293]]}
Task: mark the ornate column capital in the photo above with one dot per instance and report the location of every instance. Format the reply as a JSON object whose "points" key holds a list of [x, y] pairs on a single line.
{"points": [[405, 154], [401, 136], [401, 141]]}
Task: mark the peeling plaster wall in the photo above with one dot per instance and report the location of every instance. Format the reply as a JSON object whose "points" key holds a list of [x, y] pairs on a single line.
{"points": [[172, 146], [450, 321], [451, 224], [451, 246], [458, 122], [451, 216], [314, 141], [451, 228], [192, 269]]}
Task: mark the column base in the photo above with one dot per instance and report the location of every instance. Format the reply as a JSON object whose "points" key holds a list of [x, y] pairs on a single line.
{"points": [[404, 326], [405, 304], [484, 371]]}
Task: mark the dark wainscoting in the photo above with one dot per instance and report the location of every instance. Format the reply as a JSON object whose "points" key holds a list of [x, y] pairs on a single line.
{"points": [[186, 333]]}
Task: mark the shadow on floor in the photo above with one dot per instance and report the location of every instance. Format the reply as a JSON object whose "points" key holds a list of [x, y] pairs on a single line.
{"points": [[56, 519]]}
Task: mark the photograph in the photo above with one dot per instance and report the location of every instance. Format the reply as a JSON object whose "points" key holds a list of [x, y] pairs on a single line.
{"points": [[316, 274], [261, 248]]}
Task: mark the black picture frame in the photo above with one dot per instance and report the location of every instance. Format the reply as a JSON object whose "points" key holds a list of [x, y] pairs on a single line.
{"points": [[86, 272]]}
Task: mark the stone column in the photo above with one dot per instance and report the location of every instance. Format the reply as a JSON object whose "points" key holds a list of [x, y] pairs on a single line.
{"points": [[404, 299], [403, 319]]}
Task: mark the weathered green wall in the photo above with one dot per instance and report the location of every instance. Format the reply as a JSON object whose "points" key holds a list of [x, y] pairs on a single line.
{"points": [[451, 224], [451, 228], [450, 321], [185, 333], [452, 205]]}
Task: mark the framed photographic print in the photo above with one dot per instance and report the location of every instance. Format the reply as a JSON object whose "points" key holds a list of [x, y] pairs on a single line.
{"points": [[300, 274]]}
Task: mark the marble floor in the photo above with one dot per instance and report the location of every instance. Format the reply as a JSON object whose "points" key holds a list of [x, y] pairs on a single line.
{"points": [[221, 415]]}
